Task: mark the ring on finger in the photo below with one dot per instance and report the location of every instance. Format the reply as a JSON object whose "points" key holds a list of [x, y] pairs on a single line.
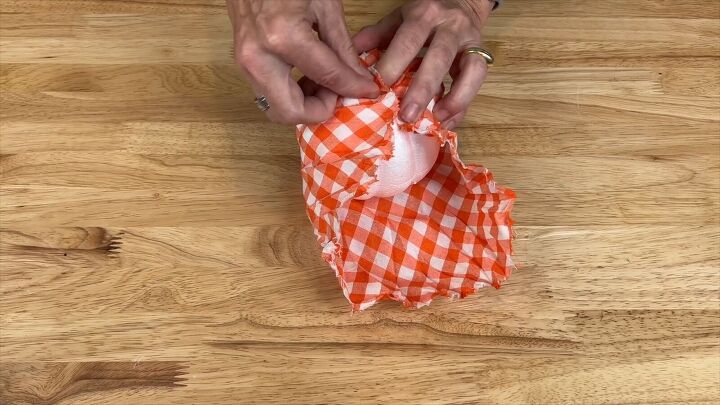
{"points": [[262, 103], [476, 50]]}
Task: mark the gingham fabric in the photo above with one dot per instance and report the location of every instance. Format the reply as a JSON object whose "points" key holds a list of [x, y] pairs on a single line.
{"points": [[447, 235]]}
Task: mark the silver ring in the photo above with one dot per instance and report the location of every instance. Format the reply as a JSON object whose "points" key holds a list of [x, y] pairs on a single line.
{"points": [[262, 103], [476, 50]]}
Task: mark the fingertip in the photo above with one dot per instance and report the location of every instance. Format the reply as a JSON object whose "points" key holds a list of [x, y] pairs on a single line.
{"points": [[410, 112], [317, 117], [364, 88], [364, 72], [453, 121], [450, 124], [381, 68], [328, 97], [385, 70], [441, 114], [365, 39], [447, 108], [373, 91], [329, 100], [319, 107]]}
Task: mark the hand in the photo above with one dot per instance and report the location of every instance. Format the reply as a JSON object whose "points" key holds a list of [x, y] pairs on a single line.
{"points": [[449, 26], [272, 36]]}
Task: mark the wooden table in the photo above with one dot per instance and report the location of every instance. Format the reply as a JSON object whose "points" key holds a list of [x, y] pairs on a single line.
{"points": [[155, 249]]}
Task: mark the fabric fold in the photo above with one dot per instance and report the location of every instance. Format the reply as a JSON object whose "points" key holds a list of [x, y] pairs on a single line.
{"points": [[447, 235]]}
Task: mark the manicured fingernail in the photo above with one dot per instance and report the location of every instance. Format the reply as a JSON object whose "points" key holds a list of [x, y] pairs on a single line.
{"points": [[410, 112], [441, 114]]}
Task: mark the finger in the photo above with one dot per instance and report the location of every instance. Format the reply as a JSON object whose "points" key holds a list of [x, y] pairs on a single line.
{"points": [[334, 32], [453, 121], [403, 48], [378, 35], [318, 62], [270, 77], [426, 82], [472, 72], [308, 87], [327, 96]]}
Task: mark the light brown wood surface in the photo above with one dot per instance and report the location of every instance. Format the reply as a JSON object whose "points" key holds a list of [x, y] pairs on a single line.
{"points": [[155, 249]]}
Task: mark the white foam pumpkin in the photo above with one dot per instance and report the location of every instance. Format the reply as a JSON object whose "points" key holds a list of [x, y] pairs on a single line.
{"points": [[412, 158]]}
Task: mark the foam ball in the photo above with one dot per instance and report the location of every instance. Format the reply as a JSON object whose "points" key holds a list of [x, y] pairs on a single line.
{"points": [[412, 158]]}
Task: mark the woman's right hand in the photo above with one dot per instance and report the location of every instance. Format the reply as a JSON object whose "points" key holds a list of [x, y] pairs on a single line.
{"points": [[272, 36]]}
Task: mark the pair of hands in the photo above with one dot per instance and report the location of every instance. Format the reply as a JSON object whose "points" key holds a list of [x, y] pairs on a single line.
{"points": [[272, 36]]}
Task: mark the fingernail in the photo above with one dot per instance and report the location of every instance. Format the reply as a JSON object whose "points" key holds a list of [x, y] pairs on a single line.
{"points": [[365, 73], [452, 121], [441, 114], [410, 112], [369, 88], [374, 91], [450, 124]]}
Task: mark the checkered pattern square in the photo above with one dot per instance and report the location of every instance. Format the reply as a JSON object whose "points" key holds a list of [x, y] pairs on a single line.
{"points": [[447, 235]]}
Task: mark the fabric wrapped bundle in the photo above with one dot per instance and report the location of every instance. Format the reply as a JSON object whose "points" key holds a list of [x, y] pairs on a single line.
{"points": [[442, 230]]}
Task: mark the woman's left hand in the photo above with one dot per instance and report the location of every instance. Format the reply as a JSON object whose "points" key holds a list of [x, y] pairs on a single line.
{"points": [[450, 27]]}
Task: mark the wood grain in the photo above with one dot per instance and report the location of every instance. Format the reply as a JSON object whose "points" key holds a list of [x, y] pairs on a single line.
{"points": [[154, 247], [72, 380]]}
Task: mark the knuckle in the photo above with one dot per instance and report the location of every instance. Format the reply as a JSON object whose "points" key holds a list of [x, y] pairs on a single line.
{"points": [[345, 44], [444, 51], [331, 78], [426, 11], [273, 39], [276, 41], [342, 44], [457, 16], [275, 32], [245, 55], [408, 43]]}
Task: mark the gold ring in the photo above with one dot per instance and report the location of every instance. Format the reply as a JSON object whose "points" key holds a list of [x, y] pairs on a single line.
{"points": [[476, 50]]}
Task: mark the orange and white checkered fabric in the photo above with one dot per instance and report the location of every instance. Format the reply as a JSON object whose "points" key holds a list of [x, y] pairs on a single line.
{"points": [[447, 235]]}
